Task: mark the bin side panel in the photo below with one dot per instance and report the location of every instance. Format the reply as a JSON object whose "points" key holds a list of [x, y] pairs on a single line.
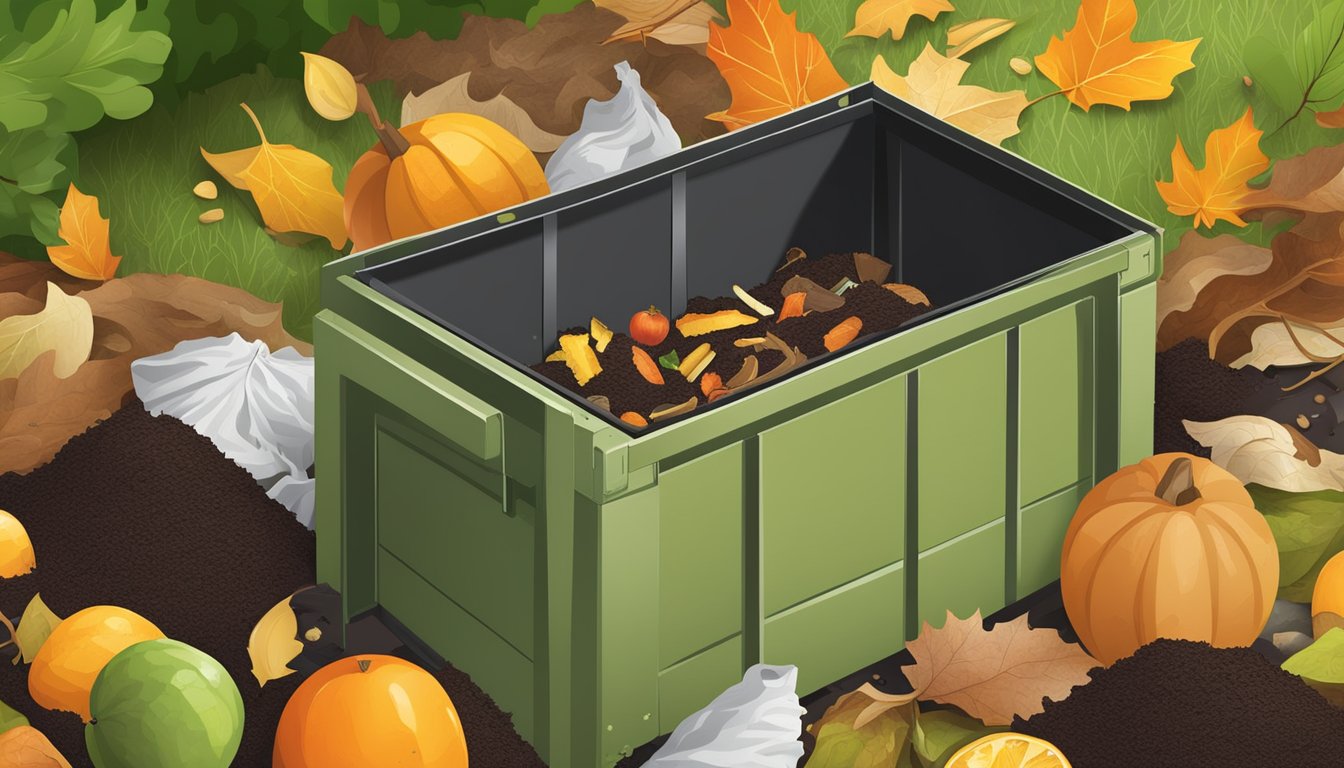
{"points": [[962, 576], [693, 683], [832, 493], [1055, 386], [1138, 362], [700, 553], [1041, 532]]}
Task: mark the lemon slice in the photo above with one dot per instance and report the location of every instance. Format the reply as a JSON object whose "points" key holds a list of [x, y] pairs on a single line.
{"points": [[1008, 750]]}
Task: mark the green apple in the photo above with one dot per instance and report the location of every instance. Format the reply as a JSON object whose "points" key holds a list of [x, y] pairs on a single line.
{"points": [[163, 704]]}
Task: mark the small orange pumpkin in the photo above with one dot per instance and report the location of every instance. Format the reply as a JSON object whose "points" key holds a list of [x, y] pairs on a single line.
{"points": [[1169, 547], [436, 172]]}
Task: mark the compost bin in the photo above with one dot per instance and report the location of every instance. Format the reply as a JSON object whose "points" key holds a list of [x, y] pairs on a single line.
{"points": [[602, 582]]}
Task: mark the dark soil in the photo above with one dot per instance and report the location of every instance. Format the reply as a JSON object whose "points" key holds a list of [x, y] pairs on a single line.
{"points": [[620, 382], [144, 513], [1177, 702]]}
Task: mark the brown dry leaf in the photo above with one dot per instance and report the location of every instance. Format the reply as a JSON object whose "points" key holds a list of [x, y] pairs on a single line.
{"points": [[452, 96], [692, 324], [1198, 261], [292, 187], [909, 292], [1219, 190], [934, 85], [580, 358], [1262, 451], [29, 277], [771, 67], [1286, 344], [1333, 119], [87, 252], [996, 674], [876, 18], [865, 727], [1312, 182], [967, 36], [550, 70], [63, 326], [1099, 62], [26, 747], [675, 22]]}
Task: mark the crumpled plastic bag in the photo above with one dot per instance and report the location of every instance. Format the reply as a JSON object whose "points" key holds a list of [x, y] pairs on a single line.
{"points": [[754, 724], [255, 406], [623, 132]]}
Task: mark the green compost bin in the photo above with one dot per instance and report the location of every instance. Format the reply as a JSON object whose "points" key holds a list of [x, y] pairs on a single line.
{"points": [[602, 583]]}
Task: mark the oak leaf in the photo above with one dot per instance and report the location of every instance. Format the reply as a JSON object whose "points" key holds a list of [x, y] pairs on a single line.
{"points": [[1098, 62], [65, 325], [934, 85], [292, 187], [876, 18], [994, 674], [771, 67], [675, 22], [1262, 451], [865, 727], [453, 96], [87, 252], [1219, 190], [274, 643], [26, 747]]}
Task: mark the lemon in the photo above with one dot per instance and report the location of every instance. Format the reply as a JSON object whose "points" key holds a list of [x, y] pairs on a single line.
{"points": [[1008, 750], [78, 648], [16, 549]]}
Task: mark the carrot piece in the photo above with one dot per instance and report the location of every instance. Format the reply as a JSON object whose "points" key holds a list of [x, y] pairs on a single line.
{"points": [[634, 419], [842, 334], [710, 382], [647, 368], [793, 306]]}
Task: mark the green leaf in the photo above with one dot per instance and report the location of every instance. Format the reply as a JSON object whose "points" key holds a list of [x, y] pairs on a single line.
{"points": [[1309, 530], [1308, 77], [10, 717], [1321, 665], [865, 729], [940, 733], [36, 160], [28, 215], [671, 361], [35, 626], [547, 7]]}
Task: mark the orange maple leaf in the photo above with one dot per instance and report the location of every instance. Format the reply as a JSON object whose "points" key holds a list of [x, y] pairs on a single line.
{"points": [[1232, 157], [1098, 62], [87, 252], [770, 66]]}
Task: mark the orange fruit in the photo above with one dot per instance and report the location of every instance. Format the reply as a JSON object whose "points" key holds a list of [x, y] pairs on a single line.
{"points": [[16, 549], [69, 661], [1328, 595], [370, 710], [1008, 750]]}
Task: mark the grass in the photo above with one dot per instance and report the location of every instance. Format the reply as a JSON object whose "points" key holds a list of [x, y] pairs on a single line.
{"points": [[143, 171]]}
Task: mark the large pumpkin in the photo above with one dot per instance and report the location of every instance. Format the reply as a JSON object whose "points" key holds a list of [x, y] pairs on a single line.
{"points": [[439, 171], [1169, 547]]}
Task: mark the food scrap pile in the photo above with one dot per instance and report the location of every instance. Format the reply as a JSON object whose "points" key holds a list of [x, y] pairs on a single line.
{"points": [[1176, 702], [723, 346]]}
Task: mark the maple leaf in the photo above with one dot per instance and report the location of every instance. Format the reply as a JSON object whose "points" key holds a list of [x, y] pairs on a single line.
{"points": [[995, 674], [934, 85], [771, 67], [877, 17], [87, 252], [1097, 62], [291, 187], [1219, 190]]}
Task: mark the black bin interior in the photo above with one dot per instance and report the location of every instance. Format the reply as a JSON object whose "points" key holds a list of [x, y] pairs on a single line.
{"points": [[957, 218]]}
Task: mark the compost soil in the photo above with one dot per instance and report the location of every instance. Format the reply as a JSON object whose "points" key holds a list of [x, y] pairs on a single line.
{"points": [[1176, 702], [144, 513], [626, 390]]}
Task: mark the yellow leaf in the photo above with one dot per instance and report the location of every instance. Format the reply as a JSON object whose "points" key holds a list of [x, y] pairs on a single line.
{"points": [[329, 86], [770, 66], [87, 252], [292, 188], [934, 85], [963, 38], [1232, 157], [26, 747], [64, 325], [877, 17], [274, 643], [579, 357], [35, 626], [1097, 62]]}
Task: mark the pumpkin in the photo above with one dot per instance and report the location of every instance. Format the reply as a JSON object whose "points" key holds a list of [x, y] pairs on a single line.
{"points": [[1327, 597], [1169, 547], [436, 172], [369, 710]]}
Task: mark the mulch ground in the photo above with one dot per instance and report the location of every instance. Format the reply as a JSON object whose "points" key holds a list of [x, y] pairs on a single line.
{"points": [[144, 513]]}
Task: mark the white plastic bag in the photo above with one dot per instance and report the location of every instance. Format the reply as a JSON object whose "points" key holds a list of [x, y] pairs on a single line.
{"points": [[624, 132], [255, 406], [754, 724]]}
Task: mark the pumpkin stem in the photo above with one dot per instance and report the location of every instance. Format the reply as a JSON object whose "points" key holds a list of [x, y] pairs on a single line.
{"points": [[364, 664], [1177, 486], [393, 140]]}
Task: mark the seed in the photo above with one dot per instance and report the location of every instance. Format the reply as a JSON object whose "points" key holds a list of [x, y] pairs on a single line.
{"points": [[1020, 65], [206, 190], [1303, 421], [1320, 399], [212, 215], [313, 635], [1247, 81]]}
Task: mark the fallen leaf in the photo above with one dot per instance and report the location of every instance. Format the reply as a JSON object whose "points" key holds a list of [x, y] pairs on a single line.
{"points": [[675, 22], [64, 325], [910, 293], [867, 728], [934, 85], [27, 747], [771, 67], [875, 18], [1311, 182], [693, 324], [1219, 190], [330, 87], [1308, 529], [274, 643], [10, 718], [1261, 451], [967, 36], [1283, 344], [87, 252], [793, 306], [580, 357], [29, 277], [1321, 665], [816, 297], [550, 70], [940, 733], [291, 187], [670, 361], [997, 674], [453, 96], [35, 626], [1197, 261], [1099, 62]]}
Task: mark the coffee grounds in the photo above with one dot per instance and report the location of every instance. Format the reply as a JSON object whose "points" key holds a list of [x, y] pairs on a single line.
{"points": [[491, 740], [1191, 385], [626, 390], [1177, 702]]}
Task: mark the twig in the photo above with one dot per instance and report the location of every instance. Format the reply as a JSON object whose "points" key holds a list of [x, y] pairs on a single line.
{"points": [[1332, 362]]}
